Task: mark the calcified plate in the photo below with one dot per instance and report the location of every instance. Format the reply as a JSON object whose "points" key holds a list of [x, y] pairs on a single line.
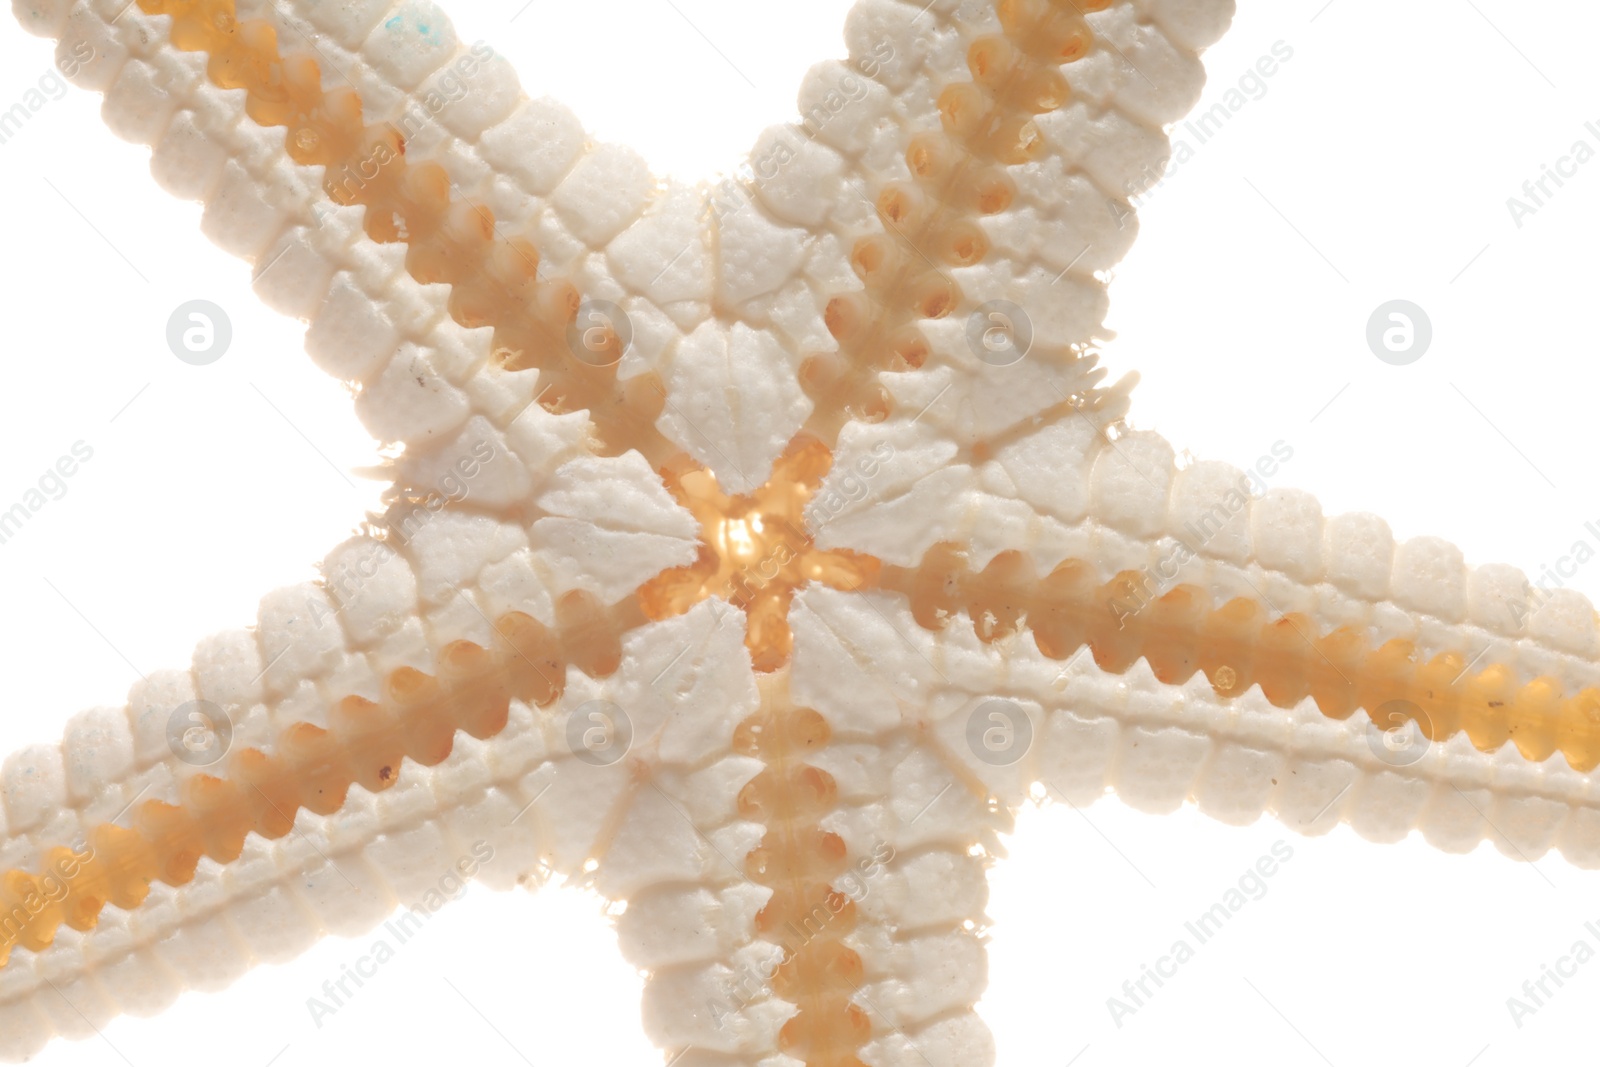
{"points": [[750, 561]]}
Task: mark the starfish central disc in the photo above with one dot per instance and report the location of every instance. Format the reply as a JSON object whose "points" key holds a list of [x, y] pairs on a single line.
{"points": [[756, 550]]}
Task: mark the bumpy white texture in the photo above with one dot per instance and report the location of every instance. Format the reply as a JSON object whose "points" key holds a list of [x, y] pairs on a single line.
{"points": [[728, 408], [594, 211], [261, 207], [313, 644], [308, 258], [715, 296], [535, 800], [1067, 490], [1047, 246], [610, 526], [725, 305], [910, 817], [343, 875], [597, 216], [864, 662], [206, 149], [423, 378]]}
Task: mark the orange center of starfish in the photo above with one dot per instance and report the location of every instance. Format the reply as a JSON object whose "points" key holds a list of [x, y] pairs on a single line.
{"points": [[756, 550]]}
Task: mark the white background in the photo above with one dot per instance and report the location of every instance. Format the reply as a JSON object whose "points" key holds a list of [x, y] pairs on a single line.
{"points": [[1376, 166]]}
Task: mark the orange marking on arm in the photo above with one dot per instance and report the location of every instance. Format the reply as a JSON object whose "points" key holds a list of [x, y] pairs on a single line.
{"points": [[494, 282], [312, 768], [1241, 643], [931, 222]]}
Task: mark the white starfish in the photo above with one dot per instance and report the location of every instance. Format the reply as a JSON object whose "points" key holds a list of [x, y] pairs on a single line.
{"points": [[911, 694]]}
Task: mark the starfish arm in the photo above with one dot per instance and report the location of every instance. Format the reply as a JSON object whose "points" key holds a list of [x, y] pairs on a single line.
{"points": [[378, 746], [919, 839], [127, 851], [963, 154], [369, 324], [410, 847], [1068, 490], [829, 911], [387, 201], [634, 247], [959, 688], [1337, 708], [850, 245], [913, 813]]}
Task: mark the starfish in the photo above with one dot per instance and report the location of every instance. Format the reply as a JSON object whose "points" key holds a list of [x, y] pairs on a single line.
{"points": [[748, 558]]}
